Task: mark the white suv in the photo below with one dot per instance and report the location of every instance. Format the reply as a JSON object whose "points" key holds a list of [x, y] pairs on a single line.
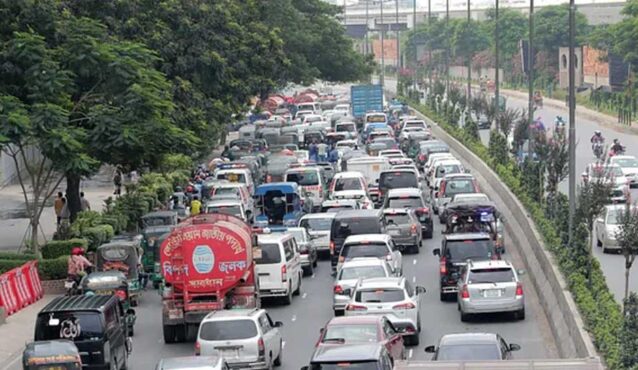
{"points": [[278, 266], [371, 245], [393, 297], [245, 338]]}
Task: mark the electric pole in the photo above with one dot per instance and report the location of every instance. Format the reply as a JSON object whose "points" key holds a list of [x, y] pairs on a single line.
{"points": [[530, 79], [469, 58], [572, 119], [396, 21], [416, 57], [447, 46], [496, 72], [367, 27], [382, 77], [429, 43]]}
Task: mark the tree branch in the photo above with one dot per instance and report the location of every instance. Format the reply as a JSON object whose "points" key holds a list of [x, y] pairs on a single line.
{"points": [[14, 156], [85, 96]]}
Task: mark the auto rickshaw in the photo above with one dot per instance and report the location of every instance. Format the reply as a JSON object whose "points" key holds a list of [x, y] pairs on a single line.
{"points": [[123, 256], [154, 225], [280, 203], [61, 354], [111, 283], [476, 217]]}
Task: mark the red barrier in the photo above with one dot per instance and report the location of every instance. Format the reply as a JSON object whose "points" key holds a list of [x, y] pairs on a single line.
{"points": [[20, 287]]}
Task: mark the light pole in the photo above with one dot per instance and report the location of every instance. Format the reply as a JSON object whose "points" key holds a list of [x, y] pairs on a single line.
{"points": [[496, 45], [429, 43], [416, 57], [447, 46], [382, 77], [344, 14], [530, 79], [367, 27], [396, 21], [469, 59], [572, 120]]}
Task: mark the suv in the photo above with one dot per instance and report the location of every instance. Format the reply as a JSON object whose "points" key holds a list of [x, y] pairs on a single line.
{"points": [[412, 198], [97, 324], [457, 183], [350, 272], [245, 338], [278, 266], [403, 225], [490, 286], [311, 179], [455, 250], [393, 297], [371, 245], [351, 222], [356, 356], [394, 179]]}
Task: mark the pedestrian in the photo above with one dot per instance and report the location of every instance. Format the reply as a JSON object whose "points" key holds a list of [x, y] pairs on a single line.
{"points": [[58, 205], [312, 151], [84, 203], [333, 156], [196, 206], [117, 181], [322, 152], [65, 213]]}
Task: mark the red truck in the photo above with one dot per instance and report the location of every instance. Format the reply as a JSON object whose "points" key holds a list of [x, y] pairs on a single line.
{"points": [[207, 265]]}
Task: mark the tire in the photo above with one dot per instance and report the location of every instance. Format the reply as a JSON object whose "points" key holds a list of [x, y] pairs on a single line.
{"points": [[414, 339], [169, 334], [298, 290], [599, 243], [308, 270], [278, 360], [443, 297], [520, 314], [430, 234], [465, 317], [180, 333], [287, 300], [416, 249], [339, 313], [605, 250]]}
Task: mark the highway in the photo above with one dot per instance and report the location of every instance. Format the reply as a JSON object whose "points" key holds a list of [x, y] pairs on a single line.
{"points": [[309, 312]]}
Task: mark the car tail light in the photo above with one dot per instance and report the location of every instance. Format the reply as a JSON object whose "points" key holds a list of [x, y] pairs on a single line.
{"points": [[332, 247], [422, 157], [422, 210], [355, 307], [404, 306], [443, 266], [121, 294], [198, 348], [465, 294], [284, 273], [413, 229], [519, 289], [268, 178], [388, 257], [262, 348], [338, 289]]}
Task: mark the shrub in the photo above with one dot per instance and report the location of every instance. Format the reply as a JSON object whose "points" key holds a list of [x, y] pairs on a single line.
{"points": [[85, 220], [16, 256], [57, 248], [98, 235], [53, 269], [10, 264], [175, 162]]}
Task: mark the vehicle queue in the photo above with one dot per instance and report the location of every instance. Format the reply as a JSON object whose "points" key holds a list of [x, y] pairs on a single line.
{"points": [[361, 199]]}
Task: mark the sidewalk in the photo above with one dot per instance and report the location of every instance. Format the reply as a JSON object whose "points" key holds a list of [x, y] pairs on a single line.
{"points": [[17, 331]]}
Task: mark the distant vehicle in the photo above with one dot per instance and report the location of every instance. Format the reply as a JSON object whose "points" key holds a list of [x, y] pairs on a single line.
{"points": [[214, 362], [353, 270], [318, 226], [354, 356], [415, 123], [629, 166], [246, 338], [403, 225], [393, 297], [605, 174], [280, 203], [360, 196], [488, 287], [278, 266], [353, 222], [607, 225], [394, 179], [365, 98], [232, 207], [412, 198], [371, 245], [462, 198], [311, 181], [472, 346], [442, 168], [51, 354], [371, 169], [350, 180], [335, 205], [349, 127], [450, 185], [307, 250]]}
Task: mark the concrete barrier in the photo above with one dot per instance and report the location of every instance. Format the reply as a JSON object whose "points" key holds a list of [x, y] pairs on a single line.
{"points": [[565, 321]]}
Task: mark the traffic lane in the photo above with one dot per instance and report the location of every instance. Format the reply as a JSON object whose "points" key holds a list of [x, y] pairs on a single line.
{"points": [[613, 266]]}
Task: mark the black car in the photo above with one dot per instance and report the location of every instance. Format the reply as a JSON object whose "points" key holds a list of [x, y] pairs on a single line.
{"points": [[51, 354], [455, 250], [354, 222], [472, 347], [95, 323], [353, 356]]}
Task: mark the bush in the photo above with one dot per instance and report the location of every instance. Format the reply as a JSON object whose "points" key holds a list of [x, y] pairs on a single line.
{"points": [[114, 222], [175, 162], [53, 269], [10, 264], [57, 248], [98, 235], [16, 256]]}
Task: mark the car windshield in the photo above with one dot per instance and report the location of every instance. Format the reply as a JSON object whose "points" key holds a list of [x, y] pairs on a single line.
{"points": [[415, 124], [602, 172], [459, 186], [379, 295], [351, 251], [438, 149], [225, 210], [269, 254], [354, 226], [461, 250], [405, 202], [316, 224], [303, 178], [394, 180], [446, 169], [348, 128], [74, 326], [226, 191], [343, 365], [626, 162], [227, 330], [361, 272], [336, 208], [351, 333], [491, 275], [396, 219], [342, 184], [468, 352], [614, 215]]}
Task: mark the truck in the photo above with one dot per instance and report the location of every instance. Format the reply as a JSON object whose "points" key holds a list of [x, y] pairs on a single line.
{"points": [[371, 168], [366, 98], [207, 265]]}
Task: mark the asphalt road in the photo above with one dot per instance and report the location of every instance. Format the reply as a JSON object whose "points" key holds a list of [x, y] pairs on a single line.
{"points": [[310, 311]]}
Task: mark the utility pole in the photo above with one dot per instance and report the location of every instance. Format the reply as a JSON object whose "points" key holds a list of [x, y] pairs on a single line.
{"points": [[367, 27], [469, 58], [382, 77], [416, 57], [530, 79], [344, 14], [396, 21], [572, 120], [429, 43], [496, 46], [447, 46]]}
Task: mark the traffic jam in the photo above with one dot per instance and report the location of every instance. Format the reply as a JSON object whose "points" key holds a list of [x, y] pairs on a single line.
{"points": [[347, 183]]}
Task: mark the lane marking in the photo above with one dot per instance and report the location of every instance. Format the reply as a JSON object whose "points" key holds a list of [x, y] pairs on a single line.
{"points": [[283, 344], [414, 261], [312, 276], [410, 353], [413, 279], [304, 296], [294, 317]]}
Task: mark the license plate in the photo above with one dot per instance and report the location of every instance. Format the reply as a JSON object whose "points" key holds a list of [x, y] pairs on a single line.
{"points": [[492, 293], [68, 284], [393, 232], [175, 314]]}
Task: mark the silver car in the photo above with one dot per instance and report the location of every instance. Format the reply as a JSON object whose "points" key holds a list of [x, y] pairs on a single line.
{"points": [[307, 250], [214, 362], [490, 286], [371, 245], [607, 225], [318, 226], [351, 272], [403, 225]]}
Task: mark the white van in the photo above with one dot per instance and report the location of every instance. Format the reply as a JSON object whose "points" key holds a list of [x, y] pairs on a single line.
{"points": [[278, 266], [308, 106], [312, 180], [234, 172]]}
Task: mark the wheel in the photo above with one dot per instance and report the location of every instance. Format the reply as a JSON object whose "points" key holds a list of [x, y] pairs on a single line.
{"points": [[414, 339], [465, 317], [605, 250], [520, 314], [281, 353], [599, 243], [308, 270], [443, 297], [429, 234], [415, 249], [134, 302], [169, 334], [180, 334], [287, 300], [298, 290]]}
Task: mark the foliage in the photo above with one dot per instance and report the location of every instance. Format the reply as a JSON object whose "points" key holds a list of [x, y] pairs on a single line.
{"points": [[471, 129], [625, 33], [174, 162], [53, 269], [627, 237], [57, 248], [557, 163], [16, 256], [505, 120], [630, 332], [10, 264], [498, 148], [156, 183], [550, 28], [98, 235], [468, 38], [512, 27]]}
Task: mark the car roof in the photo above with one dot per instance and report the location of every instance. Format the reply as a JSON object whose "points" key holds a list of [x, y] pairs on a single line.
{"points": [[396, 211], [363, 261], [461, 176], [361, 319], [273, 238], [337, 202], [491, 264], [397, 170], [77, 303], [189, 362], [444, 161], [469, 195], [359, 213], [382, 282], [348, 174], [467, 236], [319, 215], [234, 313], [347, 352], [227, 184], [224, 202], [367, 238], [349, 192], [467, 338], [397, 192]]}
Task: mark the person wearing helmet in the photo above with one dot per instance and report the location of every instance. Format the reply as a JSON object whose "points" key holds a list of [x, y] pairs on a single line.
{"points": [[597, 138], [617, 147], [77, 264]]}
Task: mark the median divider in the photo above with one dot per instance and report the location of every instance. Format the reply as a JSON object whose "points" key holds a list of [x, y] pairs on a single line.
{"points": [[572, 340], [20, 287]]}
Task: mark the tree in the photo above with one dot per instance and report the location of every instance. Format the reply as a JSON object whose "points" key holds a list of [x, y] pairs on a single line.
{"points": [[627, 237], [551, 26], [505, 120], [468, 38], [629, 333], [625, 33], [512, 26]]}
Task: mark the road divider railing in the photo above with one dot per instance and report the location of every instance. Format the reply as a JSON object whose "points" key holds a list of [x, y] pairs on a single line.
{"points": [[20, 287]]}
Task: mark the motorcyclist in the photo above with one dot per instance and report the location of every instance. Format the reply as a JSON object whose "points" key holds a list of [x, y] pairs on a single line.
{"points": [[617, 148], [77, 264], [597, 138]]}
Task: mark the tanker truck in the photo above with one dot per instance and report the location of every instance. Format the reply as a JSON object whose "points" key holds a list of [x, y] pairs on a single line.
{"points": [[207, 265]]}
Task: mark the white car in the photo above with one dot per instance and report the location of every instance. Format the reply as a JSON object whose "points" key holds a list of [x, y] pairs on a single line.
{"points": [[415, 123], [360, 196], [310, 118], [606, 174], [349, 180], [350, 273], [371, 245], [435, 156], [342, 108], [607, 225], [391, 153], [246, 338], [233, 207], [442, 168], [278, 266], [318, 226], [629, 166], [393, 297]]}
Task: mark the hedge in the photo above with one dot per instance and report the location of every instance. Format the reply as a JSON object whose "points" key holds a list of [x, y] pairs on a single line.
{"points": [[57, 248], [16, 256], [600, 311], [98, 235], [53, 269], [6, 265]]}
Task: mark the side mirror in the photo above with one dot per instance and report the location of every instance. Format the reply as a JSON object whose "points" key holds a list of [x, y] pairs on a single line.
{"points": [[514, 347], [420, 290], [321, 330], [436, 251], [430, 349], [278, 324]]}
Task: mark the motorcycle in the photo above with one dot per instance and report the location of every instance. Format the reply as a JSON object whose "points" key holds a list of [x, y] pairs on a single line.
{"points": [[613, 152], [597, 147]]}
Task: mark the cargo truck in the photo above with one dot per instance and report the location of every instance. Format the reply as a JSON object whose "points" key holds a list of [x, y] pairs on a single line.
{"points": [[364, 99]]}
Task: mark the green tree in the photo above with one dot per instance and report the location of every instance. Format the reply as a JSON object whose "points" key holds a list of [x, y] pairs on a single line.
{"points": [[625, 33], [629, 334], [627, 237], [551, 26], [468, 38], [512, 26]]}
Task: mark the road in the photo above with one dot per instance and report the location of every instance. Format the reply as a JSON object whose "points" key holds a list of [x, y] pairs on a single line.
{"points": [[307, 314]]}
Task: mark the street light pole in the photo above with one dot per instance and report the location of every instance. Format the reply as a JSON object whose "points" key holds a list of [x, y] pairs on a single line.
{"points": [[447, 46], [469, 59], [396, 21], [382, 77], [367, 27], [572, 118], [530, 78], [416, 57], [429, 43], [496, 46]]}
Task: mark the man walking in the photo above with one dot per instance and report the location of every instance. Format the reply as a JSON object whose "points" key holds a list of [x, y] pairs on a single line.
{"points": [[58, 205], [84, 203]]}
